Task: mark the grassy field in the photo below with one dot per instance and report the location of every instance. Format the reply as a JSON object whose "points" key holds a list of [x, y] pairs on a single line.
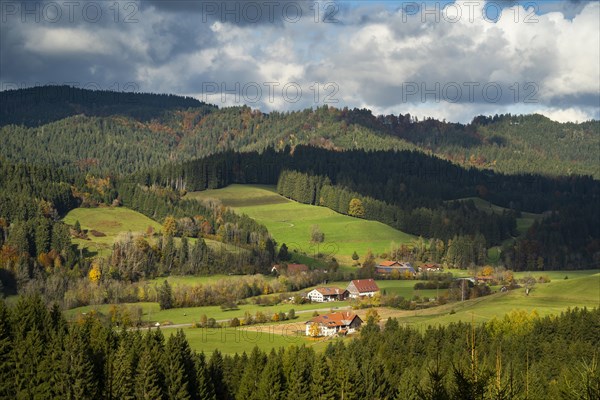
{"points": [[152, 313], [117, 221], [111, 221], [204, 280], [523, 223], [582, 289], [238, 340], [290, 222]]}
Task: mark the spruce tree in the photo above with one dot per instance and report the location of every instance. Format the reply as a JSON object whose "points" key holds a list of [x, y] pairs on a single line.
{"points": [[147, 379], [165, 296], [215, 370], [248, 389], [6, 347], [298, 374], [176, 376], [123, 382], [272, 381], [205, 389], [79, 366], [323, 382]]}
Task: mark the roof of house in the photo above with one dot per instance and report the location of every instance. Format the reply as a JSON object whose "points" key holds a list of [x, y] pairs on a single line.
{"points": [[365, 285], [401, 268], [344, 318], [388, 263], [330, 291], [296, 268], [430, 266]]}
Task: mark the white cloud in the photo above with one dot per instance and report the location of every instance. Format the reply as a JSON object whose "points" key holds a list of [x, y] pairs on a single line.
{"points": [[57, 41], [566, 115], [371, 56]]}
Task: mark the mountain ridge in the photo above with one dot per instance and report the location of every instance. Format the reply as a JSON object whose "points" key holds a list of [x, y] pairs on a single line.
{"points": [[79, 125]]}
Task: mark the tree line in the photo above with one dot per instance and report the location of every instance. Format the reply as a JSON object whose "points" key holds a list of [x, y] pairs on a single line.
{"points": [[519, 356]]}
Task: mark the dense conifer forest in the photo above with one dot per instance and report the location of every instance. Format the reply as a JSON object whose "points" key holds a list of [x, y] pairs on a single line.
{"points": [[519, 356]]}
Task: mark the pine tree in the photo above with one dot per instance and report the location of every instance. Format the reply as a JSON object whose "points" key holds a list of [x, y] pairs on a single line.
{"points": [[176, 376], [147, 380], [6, 362], [206, 390], [323, 382], [248, 388], [81, 383], [123, 383], [272, 381]]}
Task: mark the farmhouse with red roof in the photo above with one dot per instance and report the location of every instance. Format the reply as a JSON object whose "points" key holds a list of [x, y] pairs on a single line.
{"points": [[334, 323], [387, 267]]}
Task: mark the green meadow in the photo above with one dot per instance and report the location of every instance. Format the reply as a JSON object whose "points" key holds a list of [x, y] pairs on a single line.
{"points": [[110, 221], [151, 312], [114, 222], [581, 289], [290, 222]]}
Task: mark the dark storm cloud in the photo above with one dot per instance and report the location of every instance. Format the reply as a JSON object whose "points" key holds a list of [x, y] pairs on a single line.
{"points": [[35, 41], [243, 12]]}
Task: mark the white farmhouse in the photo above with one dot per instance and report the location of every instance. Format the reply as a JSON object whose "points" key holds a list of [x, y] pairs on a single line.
{"points": [[325, 294], [334, 323], [362, 287]]}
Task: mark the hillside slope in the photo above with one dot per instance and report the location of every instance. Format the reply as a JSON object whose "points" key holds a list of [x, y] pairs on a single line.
{"points": [[291, 222], [112, 132]]}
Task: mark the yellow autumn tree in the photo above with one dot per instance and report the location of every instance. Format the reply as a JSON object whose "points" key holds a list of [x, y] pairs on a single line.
{"points": [[314, 330], [372, 313], [487, 270], [169, 227], [356, 208], [94, 274]]}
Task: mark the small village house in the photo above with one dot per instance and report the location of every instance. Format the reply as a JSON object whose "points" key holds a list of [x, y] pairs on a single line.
{"points": [[335, 323], [430, 268], [361, 288], [291, 269], [388, 267], [325, 294]]}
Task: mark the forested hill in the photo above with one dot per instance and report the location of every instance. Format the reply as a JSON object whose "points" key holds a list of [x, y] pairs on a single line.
{"points": [[115, 132], [41, 105]]}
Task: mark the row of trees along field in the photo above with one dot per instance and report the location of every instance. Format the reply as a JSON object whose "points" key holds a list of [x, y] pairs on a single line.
{"points": [[414, 192], [114, 132], [519, 356]]}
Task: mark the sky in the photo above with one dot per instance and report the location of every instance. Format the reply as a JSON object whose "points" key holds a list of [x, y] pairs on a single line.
{"points": [[449, 60]]}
